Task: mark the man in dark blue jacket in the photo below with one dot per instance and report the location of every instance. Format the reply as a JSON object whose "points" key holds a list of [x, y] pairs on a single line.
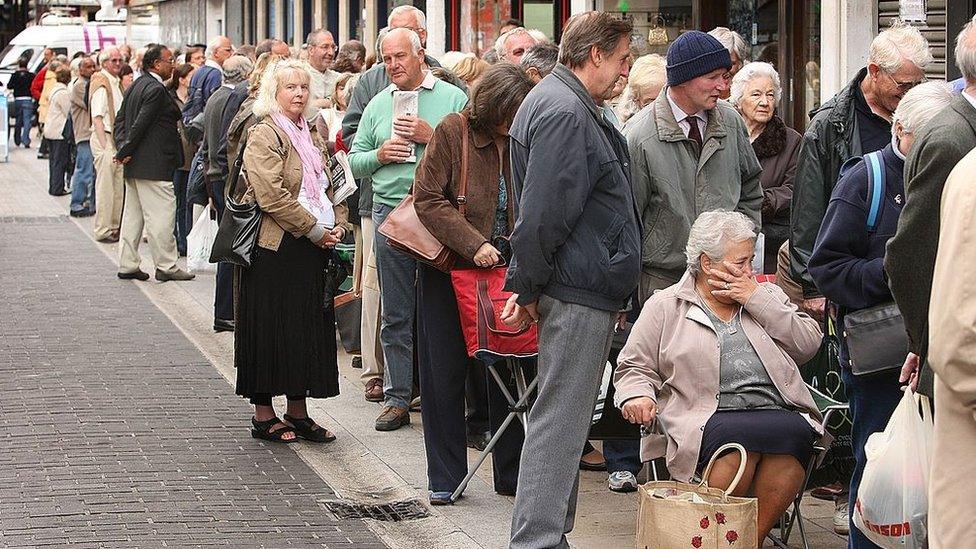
{"points": [[576, 261], [847, 266]]}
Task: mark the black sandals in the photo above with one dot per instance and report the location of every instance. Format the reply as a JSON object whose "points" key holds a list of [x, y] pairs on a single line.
{"points": [[262, 430], [306, 428]]}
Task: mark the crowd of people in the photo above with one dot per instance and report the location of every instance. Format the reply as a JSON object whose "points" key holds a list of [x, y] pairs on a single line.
{"points": [[634, 197]]}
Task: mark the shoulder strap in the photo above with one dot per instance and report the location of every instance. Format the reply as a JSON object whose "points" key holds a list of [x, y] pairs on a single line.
{"points": [[463, 191], [876, 187]]}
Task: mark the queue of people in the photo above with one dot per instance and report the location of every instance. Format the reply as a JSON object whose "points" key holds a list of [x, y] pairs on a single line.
{"points": [[625, 193]]}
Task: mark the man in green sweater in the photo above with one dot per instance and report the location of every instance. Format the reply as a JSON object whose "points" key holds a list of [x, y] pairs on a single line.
{"points": [[382, 156]]}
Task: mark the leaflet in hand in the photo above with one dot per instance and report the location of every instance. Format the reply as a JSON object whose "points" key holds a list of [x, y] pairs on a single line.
{"points": [[406, 103], [343, 183]]}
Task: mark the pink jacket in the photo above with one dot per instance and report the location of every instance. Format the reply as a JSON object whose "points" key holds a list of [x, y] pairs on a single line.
{"points": [[672, 356]]}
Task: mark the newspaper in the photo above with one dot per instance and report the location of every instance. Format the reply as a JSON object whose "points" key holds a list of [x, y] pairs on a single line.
{"points": [[406, 103], [342, 181]]}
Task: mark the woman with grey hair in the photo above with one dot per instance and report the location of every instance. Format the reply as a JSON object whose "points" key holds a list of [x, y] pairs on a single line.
{"points": [[755, 92], [848, 263], [748, 391], [738, 50]]}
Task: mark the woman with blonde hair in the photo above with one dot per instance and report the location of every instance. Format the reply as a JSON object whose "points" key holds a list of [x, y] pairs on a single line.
{"points": [[470, 69], [284, 338], [647, 78]]}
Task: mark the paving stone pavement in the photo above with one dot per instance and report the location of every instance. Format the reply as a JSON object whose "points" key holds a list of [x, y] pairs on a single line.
{"points": [[116, 431]]}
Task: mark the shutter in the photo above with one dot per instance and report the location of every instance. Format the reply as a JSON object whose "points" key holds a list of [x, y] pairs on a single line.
{"points": [[934, 31]]}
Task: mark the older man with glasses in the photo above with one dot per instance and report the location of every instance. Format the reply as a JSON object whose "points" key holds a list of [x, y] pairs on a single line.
{"points": [[104, 101], [322, 49]]}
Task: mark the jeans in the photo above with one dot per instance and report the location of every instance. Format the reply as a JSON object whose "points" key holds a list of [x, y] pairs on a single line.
{"points": [[83, 183], [60, 156], [398, 298], [25, 117], [180, 178], [872, 400], [622, 455]]}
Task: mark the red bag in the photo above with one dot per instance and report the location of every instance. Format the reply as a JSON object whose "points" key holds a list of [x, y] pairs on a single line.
{"points": [[481, 298]]}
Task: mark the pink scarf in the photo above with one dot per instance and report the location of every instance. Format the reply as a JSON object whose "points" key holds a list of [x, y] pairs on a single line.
{"points": [[311, 156]]}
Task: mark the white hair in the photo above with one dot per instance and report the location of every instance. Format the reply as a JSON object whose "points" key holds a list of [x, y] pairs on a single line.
{"points": [[107, 52], [236, 69], [450, 59], [415, 43], [266, 102], [966, 51], [214, 43], [748, 73], [733, 42], [897, 44], [540, 37], [920, 105], [712, 233], [648, 71], [500, 42], [417, 12]]}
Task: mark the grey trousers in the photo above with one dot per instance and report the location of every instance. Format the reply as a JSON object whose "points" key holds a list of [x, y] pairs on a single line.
{"points": [[574, 342]]}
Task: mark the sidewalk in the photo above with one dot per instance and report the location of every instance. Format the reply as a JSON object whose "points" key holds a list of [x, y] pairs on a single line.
{"points": [[142, 391]]}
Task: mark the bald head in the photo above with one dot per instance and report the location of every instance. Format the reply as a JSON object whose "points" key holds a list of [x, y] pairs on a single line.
{"points": [[403, 56], [321, 49], [409, 17], [220, 49]]}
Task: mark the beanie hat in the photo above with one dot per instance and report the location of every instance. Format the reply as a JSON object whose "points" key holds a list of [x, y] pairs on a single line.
{"points": [[694, 54]]}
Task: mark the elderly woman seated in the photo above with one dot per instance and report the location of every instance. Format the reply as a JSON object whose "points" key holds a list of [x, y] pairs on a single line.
{"points": [[714, 359]]}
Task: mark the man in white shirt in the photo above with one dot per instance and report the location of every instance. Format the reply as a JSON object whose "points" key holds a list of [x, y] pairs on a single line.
{"points": [[104, 100], [512, 45], [321, 52]]}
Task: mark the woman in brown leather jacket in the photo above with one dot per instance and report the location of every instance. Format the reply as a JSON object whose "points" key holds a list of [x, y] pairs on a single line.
{"points": [[489, 215]]}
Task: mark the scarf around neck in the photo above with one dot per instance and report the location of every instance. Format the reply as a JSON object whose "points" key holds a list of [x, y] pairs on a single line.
{"points": [[310, 155]]}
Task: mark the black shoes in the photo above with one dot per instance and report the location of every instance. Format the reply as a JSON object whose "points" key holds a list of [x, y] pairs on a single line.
{"points": [[136, 275], [81, 213], [221, 325]]}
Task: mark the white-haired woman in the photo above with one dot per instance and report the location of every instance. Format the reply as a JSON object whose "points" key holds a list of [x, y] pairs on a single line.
{"points": [[647, 78], [848, 265], [755, 92], [284, 341], [749, 391]]}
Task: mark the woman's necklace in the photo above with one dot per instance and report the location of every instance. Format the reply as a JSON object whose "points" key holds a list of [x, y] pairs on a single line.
{"points": [[730, 324]]}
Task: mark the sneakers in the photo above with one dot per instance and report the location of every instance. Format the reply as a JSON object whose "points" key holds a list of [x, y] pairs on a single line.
{"points": [[178, 274], [622, 481], [392, 418], [842, 519]]}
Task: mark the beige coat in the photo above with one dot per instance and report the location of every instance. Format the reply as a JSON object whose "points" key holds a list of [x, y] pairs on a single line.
{"points": [[273, 171], [672, 356], [58, 112], [952, 355]]}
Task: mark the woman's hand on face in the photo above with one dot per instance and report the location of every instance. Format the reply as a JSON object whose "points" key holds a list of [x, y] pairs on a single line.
{"points": [[640, 411], [329, 240], [487, 256], [736, 284]]}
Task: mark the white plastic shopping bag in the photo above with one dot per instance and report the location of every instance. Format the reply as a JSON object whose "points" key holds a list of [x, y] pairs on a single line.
{"points": [[198, 245], [892, 501]]}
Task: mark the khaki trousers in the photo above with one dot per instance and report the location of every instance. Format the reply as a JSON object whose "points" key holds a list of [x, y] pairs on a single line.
{"points": [[951, 524], [108, 189], [373, 363], [149, 205]]}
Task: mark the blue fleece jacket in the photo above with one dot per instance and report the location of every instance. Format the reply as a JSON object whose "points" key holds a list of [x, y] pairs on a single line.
{"points": [[848, 261]]}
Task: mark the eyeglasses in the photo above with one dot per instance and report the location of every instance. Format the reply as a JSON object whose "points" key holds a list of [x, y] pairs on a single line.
{"points": [[905, 86]]}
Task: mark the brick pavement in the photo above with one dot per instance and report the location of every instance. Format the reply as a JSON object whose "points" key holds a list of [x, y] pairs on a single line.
{"points": [[117, 432]]}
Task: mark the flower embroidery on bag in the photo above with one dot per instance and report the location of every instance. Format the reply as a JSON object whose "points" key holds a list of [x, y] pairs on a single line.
{"points": [[731, 536], [696, 542], [704, 523], [720, 518]]}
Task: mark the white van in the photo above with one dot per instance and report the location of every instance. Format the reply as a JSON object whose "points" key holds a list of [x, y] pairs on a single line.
{"points": [[69, 35]]}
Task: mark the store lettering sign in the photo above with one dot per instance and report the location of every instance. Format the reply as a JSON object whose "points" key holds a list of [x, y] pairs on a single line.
{"points": [[912, 11]]}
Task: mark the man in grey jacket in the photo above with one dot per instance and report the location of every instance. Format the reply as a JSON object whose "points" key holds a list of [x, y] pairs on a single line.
{"points": [[691, 154], [575, 264]]}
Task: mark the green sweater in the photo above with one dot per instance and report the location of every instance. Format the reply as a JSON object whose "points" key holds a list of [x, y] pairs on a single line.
{"points": [[392, 182]]}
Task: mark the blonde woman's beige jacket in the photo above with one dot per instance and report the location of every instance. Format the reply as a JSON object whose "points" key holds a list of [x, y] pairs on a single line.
{"points": [[672, 356], [273, 171]]}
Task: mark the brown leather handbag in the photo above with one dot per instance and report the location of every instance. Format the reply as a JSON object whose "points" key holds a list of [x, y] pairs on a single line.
{"points": [[408, 235]]}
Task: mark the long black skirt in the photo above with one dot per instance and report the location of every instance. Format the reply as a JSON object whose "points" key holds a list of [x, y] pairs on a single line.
{"points": [[762, 431], [284, 336]]}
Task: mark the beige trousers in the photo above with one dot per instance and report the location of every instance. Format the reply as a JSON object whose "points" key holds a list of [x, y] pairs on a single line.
{"points": [[150, 205], [951, 525], [108, 189], [372, 351]]}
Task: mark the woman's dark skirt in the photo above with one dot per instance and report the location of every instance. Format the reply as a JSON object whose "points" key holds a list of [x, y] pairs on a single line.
{"points": [[762, 431], [284, 336]]}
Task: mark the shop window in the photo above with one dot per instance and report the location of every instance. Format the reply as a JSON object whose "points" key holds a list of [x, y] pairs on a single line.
{"points": [[658, 21], [540, 15]]}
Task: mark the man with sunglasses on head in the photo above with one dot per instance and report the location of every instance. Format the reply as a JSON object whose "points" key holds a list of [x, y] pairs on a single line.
{"points": [[855, 122]]}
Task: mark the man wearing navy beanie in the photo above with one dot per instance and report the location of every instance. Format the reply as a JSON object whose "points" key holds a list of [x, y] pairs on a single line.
{"points": [[691, 154]]}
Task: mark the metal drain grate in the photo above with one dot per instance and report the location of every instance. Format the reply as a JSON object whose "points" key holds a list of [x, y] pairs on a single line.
{"points": [[396, 511]]}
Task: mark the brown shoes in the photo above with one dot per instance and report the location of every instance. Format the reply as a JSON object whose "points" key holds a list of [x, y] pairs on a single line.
{"points": [[374, 390], [392, 418]]}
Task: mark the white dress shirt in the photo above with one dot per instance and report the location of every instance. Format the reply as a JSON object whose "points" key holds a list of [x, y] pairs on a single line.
{"points": [[684, 119]]}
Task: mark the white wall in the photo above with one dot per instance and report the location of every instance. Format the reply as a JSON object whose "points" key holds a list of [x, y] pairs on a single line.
{"points": [[436, 26], [846, 30]]}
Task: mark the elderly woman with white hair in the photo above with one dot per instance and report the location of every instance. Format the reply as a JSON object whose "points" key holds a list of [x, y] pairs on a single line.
{"points": [[755, 92], [713, 359], [284, 338], [848, 261], [647, 78]]}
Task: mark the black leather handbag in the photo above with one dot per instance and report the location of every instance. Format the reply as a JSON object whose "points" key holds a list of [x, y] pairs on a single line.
{"points": [[237, 233], [876, 339]]}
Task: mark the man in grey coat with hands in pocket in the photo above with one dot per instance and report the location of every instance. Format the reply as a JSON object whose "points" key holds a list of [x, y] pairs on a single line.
{"points": [[575, 261]]}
